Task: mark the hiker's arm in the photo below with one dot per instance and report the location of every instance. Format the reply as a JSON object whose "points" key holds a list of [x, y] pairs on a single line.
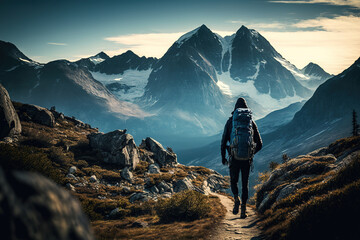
{"points": [[224, 139], [257, 138]]}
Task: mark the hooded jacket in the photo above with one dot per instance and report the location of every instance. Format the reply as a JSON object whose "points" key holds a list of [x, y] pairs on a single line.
{"points": [[241, 103]]}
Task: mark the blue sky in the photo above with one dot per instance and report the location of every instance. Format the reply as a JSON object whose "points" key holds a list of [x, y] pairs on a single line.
{"points": [[323, 31]]}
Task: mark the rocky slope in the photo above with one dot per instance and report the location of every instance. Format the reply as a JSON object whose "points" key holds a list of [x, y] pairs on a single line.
{"points": [[314, 195], [113, 178]]}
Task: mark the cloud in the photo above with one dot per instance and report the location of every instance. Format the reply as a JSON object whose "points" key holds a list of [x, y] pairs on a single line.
{"points": [[273, 25], [335, 46], [352, 3], [57, 44], [148, 44]]}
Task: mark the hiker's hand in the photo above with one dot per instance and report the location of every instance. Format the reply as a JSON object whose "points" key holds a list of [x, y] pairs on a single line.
{"points": [[224, 161]]}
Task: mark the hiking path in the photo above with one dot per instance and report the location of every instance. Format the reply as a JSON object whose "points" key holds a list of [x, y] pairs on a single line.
{"points": [[233, 227]]}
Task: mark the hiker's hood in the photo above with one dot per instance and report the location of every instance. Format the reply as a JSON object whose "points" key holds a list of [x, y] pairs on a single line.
{"points": [[240, 103]]}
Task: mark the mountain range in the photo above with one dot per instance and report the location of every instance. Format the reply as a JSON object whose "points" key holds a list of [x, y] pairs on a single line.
{"points": [[187, 93], [298, 129]]}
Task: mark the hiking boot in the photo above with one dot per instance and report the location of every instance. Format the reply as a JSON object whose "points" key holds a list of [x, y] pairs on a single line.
{"points": [[243, 211], [236, 206]]}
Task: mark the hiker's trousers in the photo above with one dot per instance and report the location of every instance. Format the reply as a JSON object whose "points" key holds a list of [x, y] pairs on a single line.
{"points": [[235, 168]]}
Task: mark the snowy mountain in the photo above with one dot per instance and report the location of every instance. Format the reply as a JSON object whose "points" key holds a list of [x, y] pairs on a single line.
{"points": [[125, 75], [65, 85], [91, 62], [314, 76]]}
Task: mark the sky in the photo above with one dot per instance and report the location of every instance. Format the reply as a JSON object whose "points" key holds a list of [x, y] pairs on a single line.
{"points": [[326, 32]]}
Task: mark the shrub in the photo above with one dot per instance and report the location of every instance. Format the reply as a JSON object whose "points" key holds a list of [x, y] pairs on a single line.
{"points": [[35, 138], [28, 159], [58, 156], [273, 165], [184, 206]]}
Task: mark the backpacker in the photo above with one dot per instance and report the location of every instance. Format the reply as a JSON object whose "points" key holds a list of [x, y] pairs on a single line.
{"points": [[242, 144]]}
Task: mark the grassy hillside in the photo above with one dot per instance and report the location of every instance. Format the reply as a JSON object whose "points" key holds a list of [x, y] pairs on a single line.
{"points": [[314, 196]]}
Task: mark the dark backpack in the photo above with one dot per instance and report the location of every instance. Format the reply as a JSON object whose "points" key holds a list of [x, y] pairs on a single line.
{"points": [[242, 145]]}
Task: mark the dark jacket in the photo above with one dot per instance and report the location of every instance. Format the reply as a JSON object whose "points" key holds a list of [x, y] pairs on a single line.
{"points": [[226, 137]]}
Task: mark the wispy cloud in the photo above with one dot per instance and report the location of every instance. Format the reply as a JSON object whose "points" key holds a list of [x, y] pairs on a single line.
{"points": [[148, 44], [272, 25], [352, 3], [335, 46], [57, 44]]}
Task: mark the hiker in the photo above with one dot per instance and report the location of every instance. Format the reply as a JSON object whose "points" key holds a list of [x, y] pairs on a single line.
{"points": [[244, 138]]}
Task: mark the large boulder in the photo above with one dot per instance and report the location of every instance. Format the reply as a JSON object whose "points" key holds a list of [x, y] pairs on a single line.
{"points": [[37, 114], [9, 120], [183, 185], [116, 147], [33, 207], [161, 156]]}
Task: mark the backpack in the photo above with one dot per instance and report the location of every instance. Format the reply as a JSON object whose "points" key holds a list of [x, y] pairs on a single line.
{"points": [[242, 145]]}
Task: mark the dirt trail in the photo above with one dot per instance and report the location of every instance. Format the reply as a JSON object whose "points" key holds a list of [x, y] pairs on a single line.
{"points": [[232, 227]]}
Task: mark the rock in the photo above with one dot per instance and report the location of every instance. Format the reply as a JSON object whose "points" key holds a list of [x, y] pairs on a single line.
{"points": [[139, 196], [37, 208], [70, 175], [116, 147], [217, 182], [287, 190], [9, 120], [126, 174], [115, 213], [154, 189], [72, 170], [139, 224], [182, 185], [162, 156], [126, 189], [154, 168], [37, 114], [164, 187], [93, 178], [70, 187]]}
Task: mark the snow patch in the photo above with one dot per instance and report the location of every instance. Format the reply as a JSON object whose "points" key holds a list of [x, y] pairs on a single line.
{"points": [[186, 36], [296, 72], [235, 89], [96, 60], [134, 79]]}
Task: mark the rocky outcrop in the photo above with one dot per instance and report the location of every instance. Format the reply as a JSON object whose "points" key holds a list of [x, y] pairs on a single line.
{"points": [[301, 172], [161, 156], [33, 207], [37, 114], [9, 120], [116, 147]]}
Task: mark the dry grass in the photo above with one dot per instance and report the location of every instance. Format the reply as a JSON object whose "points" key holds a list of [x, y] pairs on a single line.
{"points": [[199, 229], [324, 208]]}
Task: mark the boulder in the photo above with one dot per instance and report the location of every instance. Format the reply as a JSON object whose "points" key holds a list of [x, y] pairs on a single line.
{"points": [[126, 174], [182, 185], [164, 187], [72, 170], [154, 168], [33, 207], [161, 156], [37, 114], [139, 224], [116, 147], [9, 120], [93, 178], [139, 196]]}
